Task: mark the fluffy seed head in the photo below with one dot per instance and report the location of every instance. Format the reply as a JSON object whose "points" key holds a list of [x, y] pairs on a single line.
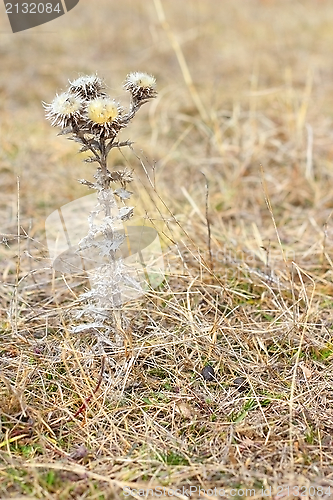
{"points": [[88, 87], [141, 85], [64, 109], [142, 80]]}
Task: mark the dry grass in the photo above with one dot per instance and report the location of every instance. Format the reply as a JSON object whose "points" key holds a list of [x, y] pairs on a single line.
{"points": [[245, 99]]}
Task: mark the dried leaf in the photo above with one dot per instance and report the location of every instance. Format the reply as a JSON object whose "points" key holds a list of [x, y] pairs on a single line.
{"points": [[185, 410], [84, 149], [123, 194], [91, 159], [88, 183], [126, 213], [306, 371], [67, 130]]}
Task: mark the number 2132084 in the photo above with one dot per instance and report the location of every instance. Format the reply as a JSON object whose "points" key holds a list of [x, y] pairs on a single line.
{"points": [[32, 8]]}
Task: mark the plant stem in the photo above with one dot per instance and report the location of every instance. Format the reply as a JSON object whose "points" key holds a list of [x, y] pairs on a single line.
{"points": [[116, 294]]}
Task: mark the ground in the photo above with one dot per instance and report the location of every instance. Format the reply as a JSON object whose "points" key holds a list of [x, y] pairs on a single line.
{"points": [[233, 165]]}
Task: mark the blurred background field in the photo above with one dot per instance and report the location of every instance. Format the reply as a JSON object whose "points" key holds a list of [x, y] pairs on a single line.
{"points": [[245, 104]]}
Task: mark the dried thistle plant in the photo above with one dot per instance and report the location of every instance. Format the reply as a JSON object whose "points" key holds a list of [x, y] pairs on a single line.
{"points": [[94, 120]]}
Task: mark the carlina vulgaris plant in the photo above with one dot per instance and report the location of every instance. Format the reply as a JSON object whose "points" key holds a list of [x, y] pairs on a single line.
{"points": [[92, 118]]}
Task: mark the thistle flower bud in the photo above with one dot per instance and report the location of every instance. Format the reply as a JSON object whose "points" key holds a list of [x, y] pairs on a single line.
{"points": [[65, 109], [88, 87], [141, 85]]}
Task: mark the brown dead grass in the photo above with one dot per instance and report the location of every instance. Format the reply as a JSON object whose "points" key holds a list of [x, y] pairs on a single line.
{"points": [[254, 115]]}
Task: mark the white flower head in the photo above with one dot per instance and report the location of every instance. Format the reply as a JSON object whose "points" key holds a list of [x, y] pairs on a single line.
{"points": [[65, 109], [88, 87], [141, 85]]}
